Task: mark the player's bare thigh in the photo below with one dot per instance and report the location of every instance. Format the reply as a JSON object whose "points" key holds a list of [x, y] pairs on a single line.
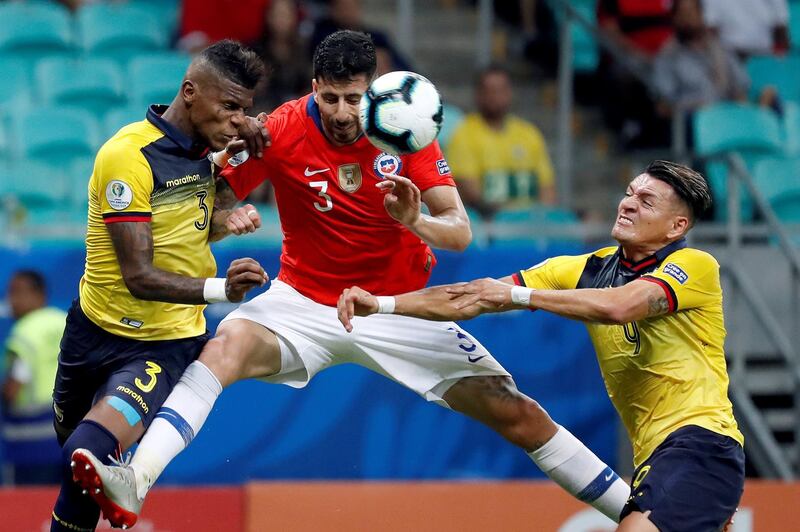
{"points": [[637, 522], [496, 402], [242, 349]]}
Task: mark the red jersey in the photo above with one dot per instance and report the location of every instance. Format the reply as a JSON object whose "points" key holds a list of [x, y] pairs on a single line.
{"points": [[336, 231]]}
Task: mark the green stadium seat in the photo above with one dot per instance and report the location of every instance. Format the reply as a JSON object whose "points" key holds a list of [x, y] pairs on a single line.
{"points": [[119, 31], [56, 135], [32, 30], [91, 84], [585, 52], [783, 73], [38, 193], [168, 13], [117, 118], [77, 178], [779, 180], [794, 26], [15, 88], [791, 127], [156, 78], [751, 131]]}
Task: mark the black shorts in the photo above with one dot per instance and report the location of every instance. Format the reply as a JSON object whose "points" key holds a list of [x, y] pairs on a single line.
{"points": [[94, 363], [692, 481]]}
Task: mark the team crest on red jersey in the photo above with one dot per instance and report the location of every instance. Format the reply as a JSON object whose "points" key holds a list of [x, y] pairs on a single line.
{"points": [[350, 177], [386, 164]]}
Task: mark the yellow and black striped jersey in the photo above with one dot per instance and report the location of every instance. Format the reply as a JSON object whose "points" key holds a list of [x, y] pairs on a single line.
{"points": [[665, 372], [148, 172]]}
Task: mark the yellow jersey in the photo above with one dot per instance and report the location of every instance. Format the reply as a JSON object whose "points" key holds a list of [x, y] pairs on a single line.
{"points": [[148, 172], [665, 372], [512, 164]]}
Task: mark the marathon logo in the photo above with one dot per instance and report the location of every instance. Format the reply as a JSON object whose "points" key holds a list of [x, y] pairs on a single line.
{"points": [[182, 180], [136, 397]]}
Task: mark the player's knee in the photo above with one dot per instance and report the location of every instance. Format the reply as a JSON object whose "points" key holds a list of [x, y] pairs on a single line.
{"points": [[524, 422], [235, 353], [222, 359]]}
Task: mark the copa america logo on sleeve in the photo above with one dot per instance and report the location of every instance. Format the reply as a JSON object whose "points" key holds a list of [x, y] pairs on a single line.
{"points": [[386, 164]]}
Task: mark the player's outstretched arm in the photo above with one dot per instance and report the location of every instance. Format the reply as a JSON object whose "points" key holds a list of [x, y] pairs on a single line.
{"points": [[434, 303], [634, 301], [133, 244], [447, 227]]}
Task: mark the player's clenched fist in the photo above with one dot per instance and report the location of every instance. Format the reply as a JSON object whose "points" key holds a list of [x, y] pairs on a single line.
{"points": [[355, 302], [243, 220], [243, 275], [402, 200]]}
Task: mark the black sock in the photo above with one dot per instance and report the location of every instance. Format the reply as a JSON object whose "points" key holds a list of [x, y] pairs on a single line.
{"points": [[75, 511]]}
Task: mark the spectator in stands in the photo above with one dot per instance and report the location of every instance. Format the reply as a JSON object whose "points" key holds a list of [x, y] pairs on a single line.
{"points": [[694, 69], [204, 22], [753, 27], [347, 15], [639, 28], [499, 160], [32, 452], [280, 47]]}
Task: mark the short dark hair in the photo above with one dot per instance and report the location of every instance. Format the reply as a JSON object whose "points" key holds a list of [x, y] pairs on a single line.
{"points": [[344, 55], [688, 184], [235, 62], [33, 277], [493, 68]]}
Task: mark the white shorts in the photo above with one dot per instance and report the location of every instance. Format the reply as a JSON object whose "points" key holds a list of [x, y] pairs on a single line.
{"points": [[425, 356]]}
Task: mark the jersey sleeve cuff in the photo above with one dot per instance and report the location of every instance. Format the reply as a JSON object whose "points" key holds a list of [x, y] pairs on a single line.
{"points": [[672, 299], [129, 216]]}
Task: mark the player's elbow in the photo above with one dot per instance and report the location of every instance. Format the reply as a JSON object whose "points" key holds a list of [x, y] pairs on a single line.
{"points": [[137, 284], [618, 312], [463, 236]]}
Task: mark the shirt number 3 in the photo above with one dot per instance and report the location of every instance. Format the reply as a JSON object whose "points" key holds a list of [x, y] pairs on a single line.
{"points": [[323, 189]]}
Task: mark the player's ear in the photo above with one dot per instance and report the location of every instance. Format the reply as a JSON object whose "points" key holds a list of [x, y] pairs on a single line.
{"points": [[314, 87], [680, 225], [188, 91]]}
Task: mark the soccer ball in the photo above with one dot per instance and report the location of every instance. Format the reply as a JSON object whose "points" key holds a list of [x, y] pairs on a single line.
{"points": [[401, 112]]}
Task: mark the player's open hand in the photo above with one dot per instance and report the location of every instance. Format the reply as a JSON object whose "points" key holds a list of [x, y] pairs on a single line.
{"points": [[243, 275], [243, 220], [253, 136], [488, 294], [355, 302], [403, 199]]}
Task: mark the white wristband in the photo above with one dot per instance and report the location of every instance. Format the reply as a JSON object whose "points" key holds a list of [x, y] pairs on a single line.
{"points": [[214, 291], [385, 304], [521, 295]]}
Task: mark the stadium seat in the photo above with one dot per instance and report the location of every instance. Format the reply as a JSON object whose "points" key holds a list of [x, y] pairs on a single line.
{"points": [[38, 191], [117, 118], [91, 84], [119, 31], [156, 78], [32, 30], [779, 180], [791, 127], [585, 52], [15, 88], [515, 227], [728, 127], [77, 178], [56, 135], [794, 26], [451, 118], [783, 73], [168, 13]]}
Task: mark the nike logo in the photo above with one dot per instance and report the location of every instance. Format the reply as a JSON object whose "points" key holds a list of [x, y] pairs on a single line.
{"points": [[609, 476], [475, 359], [309, 172]]}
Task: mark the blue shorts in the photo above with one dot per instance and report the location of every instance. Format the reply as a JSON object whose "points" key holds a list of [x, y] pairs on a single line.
{"points": [[93, 363], [692, 481]]}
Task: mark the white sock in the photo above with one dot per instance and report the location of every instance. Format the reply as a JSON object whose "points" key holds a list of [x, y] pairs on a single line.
{"points": [[571, 465], [179, 419]]}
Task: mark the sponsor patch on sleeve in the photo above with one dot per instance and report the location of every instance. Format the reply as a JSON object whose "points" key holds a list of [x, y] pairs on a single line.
{"points": [[443, 167], [119, 195], [675, 271]]}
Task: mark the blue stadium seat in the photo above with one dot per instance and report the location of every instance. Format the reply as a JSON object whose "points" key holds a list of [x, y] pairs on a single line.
{"points": [[56, 135], [524, 222], [91, 84], [32, 30], [794, 26], [779, 180], [15, 88], [77, 178], [748, 130], [156, 78], [783, 73], [39, 192], [119, 31], [117, 118], [451, 119], [791, 127], [168, 12], [585, 52]]}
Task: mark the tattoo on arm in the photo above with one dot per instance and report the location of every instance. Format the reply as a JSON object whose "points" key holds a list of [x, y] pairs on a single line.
{"points": [[133, 244], [656, 306], [224, 201]]}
